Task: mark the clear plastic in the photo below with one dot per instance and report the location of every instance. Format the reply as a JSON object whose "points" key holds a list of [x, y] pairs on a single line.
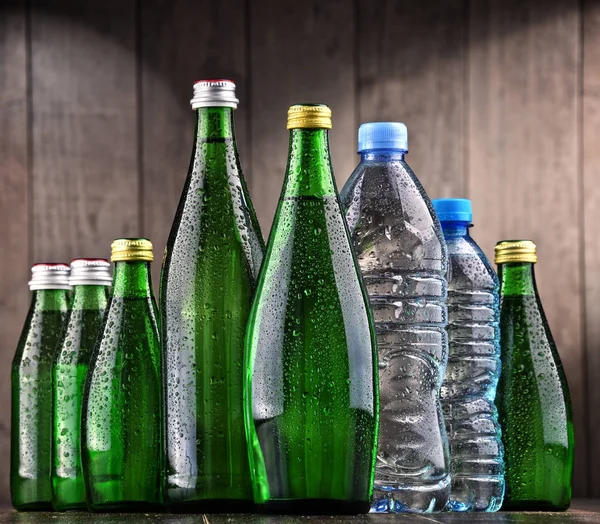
{"points": [[469, 388], [402, 255]]}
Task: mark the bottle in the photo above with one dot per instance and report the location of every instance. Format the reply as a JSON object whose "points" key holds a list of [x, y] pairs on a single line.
{"points": [[534, 405], [311, 385], [90, 280], [208, 280], [469, 388], [31, 428], [122, 404], [402, 255]]}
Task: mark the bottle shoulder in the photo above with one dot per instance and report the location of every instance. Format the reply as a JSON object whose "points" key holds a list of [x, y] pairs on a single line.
{"points": [[211, 223], [80, 335], [468, 267], [39, 339], [391, 219]]}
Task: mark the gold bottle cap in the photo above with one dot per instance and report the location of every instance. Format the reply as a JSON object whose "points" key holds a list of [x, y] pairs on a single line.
{"points": [[131, 249], [309, 116], [507, 251]]}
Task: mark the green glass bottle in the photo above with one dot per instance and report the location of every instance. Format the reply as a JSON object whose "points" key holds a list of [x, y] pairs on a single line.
{"points": [[208, 281], [312, 401], [534, 406], [122, 403], [31, 428], [90, 280]]}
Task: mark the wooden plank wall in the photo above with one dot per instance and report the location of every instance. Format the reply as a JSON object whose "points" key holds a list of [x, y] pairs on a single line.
{"points": [[501, 97]]}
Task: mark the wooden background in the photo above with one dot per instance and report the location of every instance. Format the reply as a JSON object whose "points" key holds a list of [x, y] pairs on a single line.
{"points": [[501, 99]]}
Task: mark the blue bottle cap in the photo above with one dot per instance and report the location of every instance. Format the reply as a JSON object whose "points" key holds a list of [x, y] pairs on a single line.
{"points": [[453, 209], [382, 135]]}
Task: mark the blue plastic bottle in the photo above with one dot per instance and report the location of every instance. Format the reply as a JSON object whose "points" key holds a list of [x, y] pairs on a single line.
{"points": [[402, 256], [469, 388]]}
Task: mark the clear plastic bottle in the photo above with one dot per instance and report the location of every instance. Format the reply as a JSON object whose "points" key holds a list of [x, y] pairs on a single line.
{"points": [[402, 255], [469, 387]]}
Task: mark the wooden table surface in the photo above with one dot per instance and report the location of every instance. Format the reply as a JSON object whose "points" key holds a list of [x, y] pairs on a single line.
{"points": [[582, 511]]}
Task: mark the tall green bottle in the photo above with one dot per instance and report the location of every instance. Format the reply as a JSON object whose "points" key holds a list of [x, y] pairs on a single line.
{"points": [[122, 404], [312, 401], [208, 280], [31, 429], [533, 401], [90, 279]]}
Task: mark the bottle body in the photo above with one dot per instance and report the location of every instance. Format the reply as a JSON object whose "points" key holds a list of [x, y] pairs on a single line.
{"points": [[69, 373], [311, 390], [208, 281], [533, 388], [471, 379], [402, 255], [122, 404], [31, 430]]}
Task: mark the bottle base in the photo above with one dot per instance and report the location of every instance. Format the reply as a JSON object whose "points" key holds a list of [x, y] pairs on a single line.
{"points": [[425, 498], [126, 506], [314, 507], [533, 505], [476, 494], [80, 506], [211, 506], [34, 506]]}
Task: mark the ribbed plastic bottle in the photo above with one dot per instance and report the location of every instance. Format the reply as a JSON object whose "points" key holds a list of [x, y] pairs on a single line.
{"points": [[469, 388], [402, 255]]}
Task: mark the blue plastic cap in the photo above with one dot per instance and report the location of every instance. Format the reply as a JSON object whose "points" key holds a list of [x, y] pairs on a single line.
{"points": [[453, 209], [382, 135]]}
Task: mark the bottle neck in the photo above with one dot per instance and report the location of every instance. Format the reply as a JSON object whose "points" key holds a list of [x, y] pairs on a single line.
{"points": [[50, 300], [309, 171], [455, 229], [90, 297], [517, 279], [214, 124], [132, 280], [382, 155]]}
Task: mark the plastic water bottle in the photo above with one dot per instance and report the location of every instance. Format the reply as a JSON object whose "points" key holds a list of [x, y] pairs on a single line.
{"points": [[469, 388], [402, 255]]}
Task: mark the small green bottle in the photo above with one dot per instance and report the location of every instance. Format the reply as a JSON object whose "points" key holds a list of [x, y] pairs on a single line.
{"points": [[534, 406], [311, 386], [122, 403], [31, 429], [90, 280], [208, 280]]}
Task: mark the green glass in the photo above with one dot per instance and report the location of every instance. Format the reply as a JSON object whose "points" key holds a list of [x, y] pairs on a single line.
{"points": [[122, 403], [312, 400], [208, 281], [70, 369], [31, 430], [533, 401]]}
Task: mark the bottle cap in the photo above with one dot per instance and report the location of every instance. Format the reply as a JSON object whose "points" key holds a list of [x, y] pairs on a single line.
{"points": [[49, 276], [309, 116], [90, 272], [453, 209], [383, 135], [131, 250], [507, 251], [214, 93]]}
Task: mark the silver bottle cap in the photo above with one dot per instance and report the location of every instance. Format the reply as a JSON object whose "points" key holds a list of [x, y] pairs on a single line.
{"points": [[214, 93], [90, 272], [49, 276]]}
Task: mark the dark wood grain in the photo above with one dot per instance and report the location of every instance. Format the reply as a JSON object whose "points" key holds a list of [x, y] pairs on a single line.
{"points": [[85, 162], [301, 52], [412, 70], [182, 42], [14, 240], [591, 246], [523, 160]]}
